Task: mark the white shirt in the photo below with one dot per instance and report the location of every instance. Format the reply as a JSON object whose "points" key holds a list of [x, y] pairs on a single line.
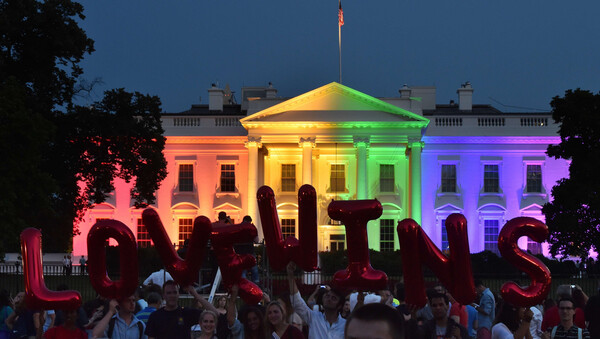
{"points": [[318, 326], [500, 331], [535, 327], [159, 277]]}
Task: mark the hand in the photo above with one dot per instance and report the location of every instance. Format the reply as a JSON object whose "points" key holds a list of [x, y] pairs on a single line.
{"points": [[235, 289], [291, 268], [112, 306], [528, 315], [546, 335]]}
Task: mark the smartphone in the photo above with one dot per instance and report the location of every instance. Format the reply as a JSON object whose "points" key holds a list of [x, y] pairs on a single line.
{"points": [[321, 286]]}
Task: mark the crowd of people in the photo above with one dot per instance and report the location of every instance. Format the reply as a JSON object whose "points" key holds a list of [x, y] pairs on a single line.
{"points": [[154, 311]]}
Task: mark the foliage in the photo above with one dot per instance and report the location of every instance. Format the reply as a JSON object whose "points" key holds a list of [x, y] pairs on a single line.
{"points": [[23, 184], [41, 45], [573, 217], [59, 158]]}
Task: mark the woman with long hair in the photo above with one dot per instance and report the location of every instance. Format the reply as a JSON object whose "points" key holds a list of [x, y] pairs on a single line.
{"points": [[276, 323], [250, 324], [221, 304], [512, 322]]}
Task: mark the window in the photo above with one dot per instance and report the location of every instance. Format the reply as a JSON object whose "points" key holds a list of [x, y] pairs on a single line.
{"points": [[337, 180], [337, 242], [288, 178], [227, 178], [143, 238], [491, 179], [185, 230], [445, 243], [386, 235], [386, 178], [186, 178], [534, 178], [448, 178], [534, 247], [288, 228], [491, 235]]}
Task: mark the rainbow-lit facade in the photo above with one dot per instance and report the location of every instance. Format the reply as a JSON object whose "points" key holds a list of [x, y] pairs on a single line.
{"points": [[420, 160]]}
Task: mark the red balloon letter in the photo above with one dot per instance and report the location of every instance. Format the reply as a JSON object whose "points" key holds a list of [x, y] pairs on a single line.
{"points": [[454, 272], [539, 273], [281, 251], [100, 232], [231, 263], [185, 272], [359, 274], [37, 295]]}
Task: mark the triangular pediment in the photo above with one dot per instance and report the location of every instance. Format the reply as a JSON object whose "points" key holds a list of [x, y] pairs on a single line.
{"points": [[335, 103]]}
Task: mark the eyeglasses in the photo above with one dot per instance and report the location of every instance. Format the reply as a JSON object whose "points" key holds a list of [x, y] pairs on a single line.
{"points": [[565, 308]]}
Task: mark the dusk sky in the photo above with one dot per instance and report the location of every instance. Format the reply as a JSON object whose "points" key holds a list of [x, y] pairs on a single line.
{"points": [[518, 53]]}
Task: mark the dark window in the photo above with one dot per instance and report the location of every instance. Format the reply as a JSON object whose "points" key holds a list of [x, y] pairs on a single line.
{"points": [[288, 228], [337, 242], [491, 228], [386, 235], [186, 178], [185, 230], [534, 178], [386, 178], [143, 238], [445, 243], [534, 247], [448, 178], [338, 178], [491, 179], [227, 178], [288, 178]]}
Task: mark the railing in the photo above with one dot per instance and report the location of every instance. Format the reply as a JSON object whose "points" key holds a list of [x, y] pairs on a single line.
{"points": [[534, 122], [187, 121], [448, 121], [227, 122], [490, 122]]}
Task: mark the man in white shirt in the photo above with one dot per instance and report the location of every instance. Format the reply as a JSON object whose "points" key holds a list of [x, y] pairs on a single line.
{"points": [[159, 277], [321, 325]]}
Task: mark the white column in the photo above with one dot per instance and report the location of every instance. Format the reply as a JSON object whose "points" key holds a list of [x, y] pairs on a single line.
{"points": [[361, 144], [253, 144], [307, 145], [415, 180]]}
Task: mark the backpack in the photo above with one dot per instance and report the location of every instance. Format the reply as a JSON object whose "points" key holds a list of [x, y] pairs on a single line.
{"points": [[579, 332], [111, 328]]}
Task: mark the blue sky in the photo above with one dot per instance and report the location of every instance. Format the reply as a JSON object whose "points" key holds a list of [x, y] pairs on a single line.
{"points": [[518, 53]]}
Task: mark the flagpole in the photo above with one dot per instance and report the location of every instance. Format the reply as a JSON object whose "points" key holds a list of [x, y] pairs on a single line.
{"points": [[340, 49], [340, 24]]}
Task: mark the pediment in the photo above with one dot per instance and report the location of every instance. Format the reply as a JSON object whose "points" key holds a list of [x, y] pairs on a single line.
{"points": [[334, 103]]}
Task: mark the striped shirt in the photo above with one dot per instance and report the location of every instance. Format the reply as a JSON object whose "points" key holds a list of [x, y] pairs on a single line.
{"points": [[572, 333], [144, 314]]}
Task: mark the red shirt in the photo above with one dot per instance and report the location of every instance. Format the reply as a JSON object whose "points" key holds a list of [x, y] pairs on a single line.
{"points": [[460, 311], [59, 332], [551, 318]]}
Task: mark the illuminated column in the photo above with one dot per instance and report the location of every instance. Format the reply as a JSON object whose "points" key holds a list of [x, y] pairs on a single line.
{"points": [[415, 179], [307, 145], [361, 144], [253, 144]]}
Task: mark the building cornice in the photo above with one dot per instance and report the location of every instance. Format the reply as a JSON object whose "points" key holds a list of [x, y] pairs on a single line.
{"points": [[206, 139], [491, 139]]}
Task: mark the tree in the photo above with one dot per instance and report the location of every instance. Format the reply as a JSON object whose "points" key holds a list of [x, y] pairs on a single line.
{"points": [[573, 217], [58, 158]]}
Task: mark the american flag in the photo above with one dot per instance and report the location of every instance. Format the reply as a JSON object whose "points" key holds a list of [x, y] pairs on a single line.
{"points": [[340, 15]]}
